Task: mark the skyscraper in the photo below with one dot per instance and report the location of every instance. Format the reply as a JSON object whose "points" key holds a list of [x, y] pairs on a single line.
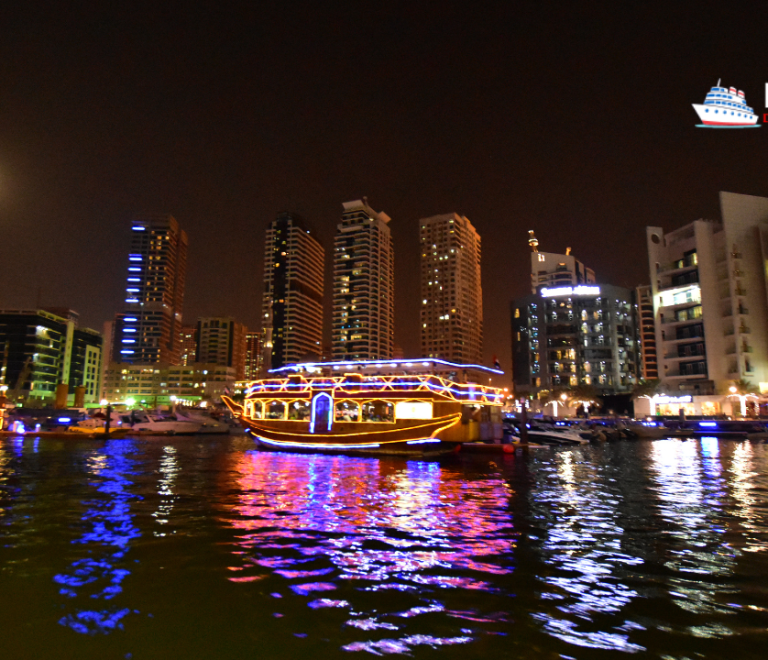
{"points": [[148, 330], [451, 293], [363, 285], [221, 340], [292, 309]]}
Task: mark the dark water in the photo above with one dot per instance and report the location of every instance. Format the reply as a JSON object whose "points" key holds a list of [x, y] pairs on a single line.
{"points": [[205, 548]]}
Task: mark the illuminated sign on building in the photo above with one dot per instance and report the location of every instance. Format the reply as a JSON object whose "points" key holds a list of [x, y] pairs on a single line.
{"points": [[657, 398], [580, 290]]}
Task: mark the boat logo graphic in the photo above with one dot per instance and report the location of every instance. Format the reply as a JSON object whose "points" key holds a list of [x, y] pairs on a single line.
{"points": [[725, 107]]}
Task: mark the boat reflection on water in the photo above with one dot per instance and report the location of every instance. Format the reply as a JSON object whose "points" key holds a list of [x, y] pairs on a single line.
{"points": [[94, 581], [334, 529]]}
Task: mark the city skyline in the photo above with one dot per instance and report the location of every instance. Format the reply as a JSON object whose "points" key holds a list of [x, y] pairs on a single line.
{"points": [[216, 122]]}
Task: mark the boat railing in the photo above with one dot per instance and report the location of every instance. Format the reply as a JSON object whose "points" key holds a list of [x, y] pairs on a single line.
{"points": [[470, 392]]}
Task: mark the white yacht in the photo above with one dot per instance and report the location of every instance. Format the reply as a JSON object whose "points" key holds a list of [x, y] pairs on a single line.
{"points": [[151, 423]]}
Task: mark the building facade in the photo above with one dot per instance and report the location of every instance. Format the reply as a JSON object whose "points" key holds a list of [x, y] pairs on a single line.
{"points": [[47, 359], [552, 270], [221, 340], [148, 330], [646, 332], [451, 312], [253, 356], [363, 285], [188, 344], [292, 305], [708, 282], [164, 384], [565, 337]]}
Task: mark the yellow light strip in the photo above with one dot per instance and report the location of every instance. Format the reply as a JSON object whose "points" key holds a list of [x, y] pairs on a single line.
{"points": [[449, 420]]}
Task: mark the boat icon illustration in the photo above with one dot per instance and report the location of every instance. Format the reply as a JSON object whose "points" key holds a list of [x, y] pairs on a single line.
{"points": [[725, 107]]}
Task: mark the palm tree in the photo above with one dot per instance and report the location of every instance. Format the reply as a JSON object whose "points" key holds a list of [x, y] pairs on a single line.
{"points": [[583, 395], [647, 389], [743, 390], [555, 397]]}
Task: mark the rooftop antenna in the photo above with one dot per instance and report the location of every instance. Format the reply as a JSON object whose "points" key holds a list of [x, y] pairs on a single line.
{"points": [[533, 241], [718, 82]]}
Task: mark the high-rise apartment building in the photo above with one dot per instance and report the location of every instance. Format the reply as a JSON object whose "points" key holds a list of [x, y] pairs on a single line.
{"points": [[363, 285], [292, 308], [646, 331], [148, 331], [451, 293], [552, 270], [709, 282], [221, 341], [252, 355]]}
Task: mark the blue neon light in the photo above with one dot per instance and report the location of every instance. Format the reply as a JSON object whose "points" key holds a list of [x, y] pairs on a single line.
{"points": [[403, 384], [134, 279], [381, 363], [132, 290], [130, 319], [126, 352], [131, 300], [313, 415], [134, 259], [422, 442], [129, 329], [314, 445], [711, 425], [65, 419], [134, 269], [137, 228], [129, 341]]}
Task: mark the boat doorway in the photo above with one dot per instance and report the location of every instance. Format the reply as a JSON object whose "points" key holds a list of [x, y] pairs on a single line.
{"points": [[322, 413]]}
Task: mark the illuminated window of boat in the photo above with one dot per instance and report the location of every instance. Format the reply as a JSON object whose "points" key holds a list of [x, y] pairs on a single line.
{"points": [[413, 410], [275, 410], [347, 411], [378, 411], [299, 411], [254, 409]]}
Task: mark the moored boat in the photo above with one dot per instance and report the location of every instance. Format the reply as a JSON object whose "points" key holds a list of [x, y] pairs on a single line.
{"points": [[385, 406]]}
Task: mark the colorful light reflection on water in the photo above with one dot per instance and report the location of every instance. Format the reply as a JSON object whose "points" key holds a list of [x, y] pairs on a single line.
{"points": [[203, 547]]}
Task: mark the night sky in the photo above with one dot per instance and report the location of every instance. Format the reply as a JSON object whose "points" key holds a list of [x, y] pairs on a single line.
{"points": [[570, 118]]}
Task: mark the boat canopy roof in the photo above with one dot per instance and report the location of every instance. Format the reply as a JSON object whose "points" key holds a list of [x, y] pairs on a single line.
{"points": [[455, 371]]}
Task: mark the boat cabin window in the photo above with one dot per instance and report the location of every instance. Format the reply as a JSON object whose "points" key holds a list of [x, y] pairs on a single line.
{"points": [[299, 411], [275, 410], [347, 411], [254, 409], [378, 411], [413, 410]]}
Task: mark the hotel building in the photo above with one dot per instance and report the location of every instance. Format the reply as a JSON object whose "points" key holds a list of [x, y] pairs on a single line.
{"points": [[451, 292], [148, 331], [563, 337], [292, 304], [551, 270], [363, 285], [708, 281]]}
